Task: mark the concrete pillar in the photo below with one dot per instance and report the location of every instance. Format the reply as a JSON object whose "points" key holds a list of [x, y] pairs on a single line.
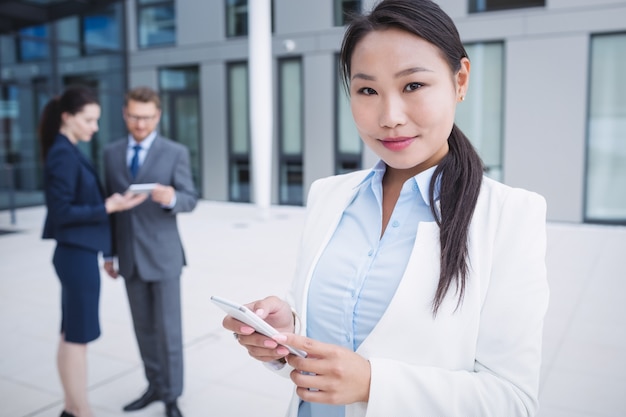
{"points": [[261, 103]]}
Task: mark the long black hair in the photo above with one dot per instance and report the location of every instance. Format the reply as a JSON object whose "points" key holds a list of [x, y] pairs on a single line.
{"points": [[71, 101], [461, 170]]}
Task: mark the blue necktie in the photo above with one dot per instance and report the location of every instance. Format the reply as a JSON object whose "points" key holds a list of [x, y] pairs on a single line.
{"points": [[134, 163]]}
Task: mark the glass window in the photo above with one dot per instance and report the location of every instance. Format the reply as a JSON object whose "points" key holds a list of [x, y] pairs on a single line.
{"points": [[237, 18], [605, 199], [33, 44], [290, 131], [185, 78], [20, 175], [8, 49], [68, 33], [344, 9], [180, 120], [24, 92], [481, 115], [348, 145], [102, 31], [238, 132], [156, 23], [476, 6]]}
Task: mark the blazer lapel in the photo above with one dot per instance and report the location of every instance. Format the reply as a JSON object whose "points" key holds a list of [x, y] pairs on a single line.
{"points": [[121, 157], [150, 159], [87, 164]]}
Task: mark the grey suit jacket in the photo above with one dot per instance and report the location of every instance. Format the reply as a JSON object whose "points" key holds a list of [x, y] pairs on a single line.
{"points": [[146, 239]]}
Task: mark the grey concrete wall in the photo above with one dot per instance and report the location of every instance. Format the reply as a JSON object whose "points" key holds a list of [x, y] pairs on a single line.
{"points": [[319, 108], [214, 131], [301, 16], [545, 119]]}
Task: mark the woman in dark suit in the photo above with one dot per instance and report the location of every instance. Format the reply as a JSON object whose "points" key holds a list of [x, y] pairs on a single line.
{"points": [[77, 219]]}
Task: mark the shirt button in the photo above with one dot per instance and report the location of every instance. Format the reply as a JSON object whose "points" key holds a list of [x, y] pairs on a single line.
{"points": [[415, 187], [370, 252], [395, 223]]}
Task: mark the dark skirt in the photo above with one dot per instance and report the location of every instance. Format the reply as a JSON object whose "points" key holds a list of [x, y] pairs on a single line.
{"points": [[79, 273]]}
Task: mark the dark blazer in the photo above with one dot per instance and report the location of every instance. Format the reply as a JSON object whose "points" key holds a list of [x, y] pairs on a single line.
{"points": [[146, 238], [74, 199]]}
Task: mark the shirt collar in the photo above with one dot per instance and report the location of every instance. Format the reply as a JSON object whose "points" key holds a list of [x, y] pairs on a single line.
{"points": [[145, 144], [422, 180], [423, 184]]}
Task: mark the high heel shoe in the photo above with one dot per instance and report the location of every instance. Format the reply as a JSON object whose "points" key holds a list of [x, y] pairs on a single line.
{"points": [[66, 414]]}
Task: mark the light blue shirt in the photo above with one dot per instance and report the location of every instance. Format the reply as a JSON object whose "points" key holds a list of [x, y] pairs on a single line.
{"points": [[359, 271], [145, 146]]}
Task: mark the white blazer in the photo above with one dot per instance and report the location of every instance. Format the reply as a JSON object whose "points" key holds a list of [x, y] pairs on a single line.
{"points": [[482, 359]]}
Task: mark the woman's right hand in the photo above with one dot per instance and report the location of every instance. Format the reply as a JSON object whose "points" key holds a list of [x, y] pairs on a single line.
{"points": [[275, 312], [119, 202]]}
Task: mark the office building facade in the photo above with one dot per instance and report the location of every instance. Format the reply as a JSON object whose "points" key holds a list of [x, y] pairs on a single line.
{"points": [[546, 108]]}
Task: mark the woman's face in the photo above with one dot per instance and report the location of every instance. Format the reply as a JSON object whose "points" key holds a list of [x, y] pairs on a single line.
{"points": [[82, 125], [403, 97]]}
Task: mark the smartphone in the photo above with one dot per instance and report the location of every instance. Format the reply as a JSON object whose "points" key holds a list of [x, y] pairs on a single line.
{"points": [[142, 188], [244, 314]]}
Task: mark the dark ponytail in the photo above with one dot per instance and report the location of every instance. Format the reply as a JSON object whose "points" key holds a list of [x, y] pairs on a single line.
{"points": [[71, 101], [461, 170], [460, 174], [49, 125]]}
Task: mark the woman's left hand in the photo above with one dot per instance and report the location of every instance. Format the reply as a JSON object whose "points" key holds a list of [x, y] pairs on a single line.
{"points": [[330, 374]]}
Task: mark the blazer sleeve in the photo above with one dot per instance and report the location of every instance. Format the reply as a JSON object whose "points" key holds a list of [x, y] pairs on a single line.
{"points": [[505, 378], [182, 181], [64, 201]]}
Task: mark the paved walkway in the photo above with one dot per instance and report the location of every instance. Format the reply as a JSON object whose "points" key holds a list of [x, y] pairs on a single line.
{"points": [[237, 252]]}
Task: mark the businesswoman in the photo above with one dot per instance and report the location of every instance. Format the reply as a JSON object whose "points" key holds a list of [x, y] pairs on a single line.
{"points": [[421, 285], [77, 218]]}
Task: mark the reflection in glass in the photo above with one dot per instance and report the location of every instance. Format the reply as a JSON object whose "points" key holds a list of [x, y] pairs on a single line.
{"points": [[606, 148], [236, 18], [157, 25], [344, 9], [101, 31], [492, 5], [33, 45], [179, 78]]}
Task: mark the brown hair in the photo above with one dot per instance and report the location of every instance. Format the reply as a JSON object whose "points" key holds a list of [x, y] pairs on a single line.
{"points": [[461, 170], [71, 101], [143, 95]]}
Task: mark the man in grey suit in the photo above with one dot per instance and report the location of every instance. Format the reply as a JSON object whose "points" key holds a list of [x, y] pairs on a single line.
{"points": [[147, 243]]}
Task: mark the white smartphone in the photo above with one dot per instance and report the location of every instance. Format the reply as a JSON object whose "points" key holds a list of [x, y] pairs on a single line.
{"points": [[142, 188], [244, 314]]}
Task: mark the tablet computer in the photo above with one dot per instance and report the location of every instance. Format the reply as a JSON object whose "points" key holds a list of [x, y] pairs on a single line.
{"points": [[145, 188]]}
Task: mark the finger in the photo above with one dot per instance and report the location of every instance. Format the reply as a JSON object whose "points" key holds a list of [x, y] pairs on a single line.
{"points": [[312, 395], [261, 347], [310, 346], [234, 325], [261, 308]]}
